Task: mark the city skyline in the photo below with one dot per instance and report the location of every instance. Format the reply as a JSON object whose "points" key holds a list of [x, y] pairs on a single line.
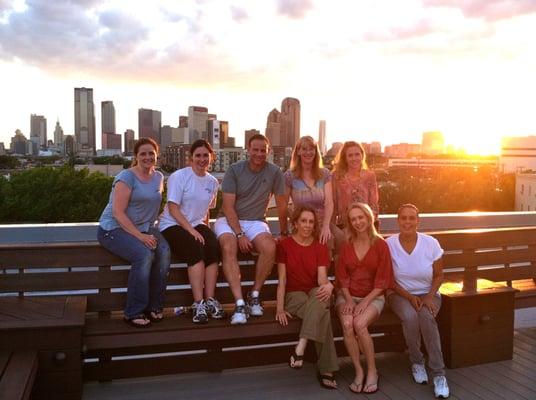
{"points": [[372, 70]]}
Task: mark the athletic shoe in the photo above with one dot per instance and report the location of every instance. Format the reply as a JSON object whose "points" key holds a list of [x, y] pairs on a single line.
{"points": [[240, 316], [255, 306], [214, 309], [441, 388], [419, 373], [199, 311]]}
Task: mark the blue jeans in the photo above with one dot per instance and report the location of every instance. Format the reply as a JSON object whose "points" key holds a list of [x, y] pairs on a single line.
{"points": [[148, 274]]}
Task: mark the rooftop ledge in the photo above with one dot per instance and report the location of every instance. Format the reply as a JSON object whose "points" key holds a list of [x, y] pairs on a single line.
{"points": [[87, 231]]}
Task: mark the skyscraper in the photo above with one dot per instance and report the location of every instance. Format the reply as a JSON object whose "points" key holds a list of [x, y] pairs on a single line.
{"points": [[273, 128], [129, 142], [290, 122], [322, 137], [197, 123], [107, 117], [149, 124], [183, 121], [58, 134], [38, 130], [432, 143], [224, 134], [84, 121], [213, 134], [248, 134]]}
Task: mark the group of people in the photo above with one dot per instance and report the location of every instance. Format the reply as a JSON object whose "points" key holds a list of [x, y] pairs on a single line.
{"points": [[333, 215]]}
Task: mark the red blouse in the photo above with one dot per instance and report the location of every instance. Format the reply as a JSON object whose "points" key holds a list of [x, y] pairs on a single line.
{"points": [[374, 271]]}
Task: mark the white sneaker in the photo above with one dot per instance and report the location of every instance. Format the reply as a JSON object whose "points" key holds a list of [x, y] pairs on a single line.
{"points": [[240, 316], [419, 373], [255, 306], [441, 388]]}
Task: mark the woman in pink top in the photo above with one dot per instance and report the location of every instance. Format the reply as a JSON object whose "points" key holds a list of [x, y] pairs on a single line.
{"points": [[363, 273], [353, 182]]}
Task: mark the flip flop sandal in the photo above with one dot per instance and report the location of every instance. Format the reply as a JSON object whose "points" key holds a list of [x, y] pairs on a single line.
{"points": [[131, 322], [377, 384], [155, 315], [330, 378], [358, 387], [294, 358]]}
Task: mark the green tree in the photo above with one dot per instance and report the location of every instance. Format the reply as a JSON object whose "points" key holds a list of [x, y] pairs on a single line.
{"points": [[9, 162]]}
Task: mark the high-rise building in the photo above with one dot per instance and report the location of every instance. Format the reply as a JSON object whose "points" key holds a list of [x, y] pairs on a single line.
{"points": [[183, 121], [248, 134], [273, 128], [111, 141], [322, 137], [372, 148], [212, 117], [84, 121], [129, 142], [107, 117], [171, 135], [433, 143], [18, 143], [402, 150], [224, 134], [197, 123], [38, 130], [290, 122], [69, 145], [213, 134], [518, 154], [58, 134], [149, 124]]}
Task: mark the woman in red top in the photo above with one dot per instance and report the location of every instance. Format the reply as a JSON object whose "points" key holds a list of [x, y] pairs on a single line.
{"points": [[304, 291], [363, 273]]}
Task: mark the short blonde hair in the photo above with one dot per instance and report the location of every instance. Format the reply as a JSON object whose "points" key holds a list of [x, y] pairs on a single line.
{"points": [[365, 208]]}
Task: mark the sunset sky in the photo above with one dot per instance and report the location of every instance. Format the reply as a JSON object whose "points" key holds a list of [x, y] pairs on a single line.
{"points": [[374, 70]]}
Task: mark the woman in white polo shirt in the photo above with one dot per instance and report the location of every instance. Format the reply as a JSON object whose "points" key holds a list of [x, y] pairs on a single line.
{"points": [[418, 271]]}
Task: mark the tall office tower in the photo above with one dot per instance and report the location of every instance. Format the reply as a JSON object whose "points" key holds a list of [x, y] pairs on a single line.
{"points": [[432, 143], [107, 117], [197, 123], [58, 134], [111, 141], [171, 135], [224, 134], [84, 121], [290, 122], [248, 134], [322, 137], [129, 142], [69, 145], [18, 143], [38, 130], [273, 128], [183, 121], [212, 116], [149, 124], [214, 134]]}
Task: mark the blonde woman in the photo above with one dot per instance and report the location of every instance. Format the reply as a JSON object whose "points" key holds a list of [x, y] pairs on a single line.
{"points": [[308, 183], [363, 273]]}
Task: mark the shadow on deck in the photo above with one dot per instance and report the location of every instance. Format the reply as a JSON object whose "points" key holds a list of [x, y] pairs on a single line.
{"points": [[512, 379]]}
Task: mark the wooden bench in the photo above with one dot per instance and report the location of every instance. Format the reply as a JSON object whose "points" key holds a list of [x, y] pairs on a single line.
{"points": [[17, 374], [112, 349]]}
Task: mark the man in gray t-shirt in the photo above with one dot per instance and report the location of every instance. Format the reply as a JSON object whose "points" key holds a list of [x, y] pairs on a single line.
{"points": [[247, 188]]}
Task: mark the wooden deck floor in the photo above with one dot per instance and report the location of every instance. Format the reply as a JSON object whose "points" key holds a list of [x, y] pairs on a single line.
{"points": [[511, 380]]}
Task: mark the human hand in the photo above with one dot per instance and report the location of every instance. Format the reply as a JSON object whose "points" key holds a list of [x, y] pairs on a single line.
{"points": [[148, 240], [428, 302], [197, 236], [282, 317], [244, 244], [348, 308], [325, 234], [416, 302], [324, 292], [360, 308]]}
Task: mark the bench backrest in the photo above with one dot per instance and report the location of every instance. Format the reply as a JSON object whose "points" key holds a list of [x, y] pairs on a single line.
{"points": [[86, 268]]}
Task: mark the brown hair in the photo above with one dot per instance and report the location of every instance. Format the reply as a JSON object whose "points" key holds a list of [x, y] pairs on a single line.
{"points": [[202, 143], [298, 212], [407, 205], [295, 161], [258, 136], [141, 142], [341, 164], [372, 232]]}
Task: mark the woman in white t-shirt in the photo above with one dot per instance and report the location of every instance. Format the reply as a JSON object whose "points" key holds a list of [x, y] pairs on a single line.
{"points": [[418, 271], [191, 191]]}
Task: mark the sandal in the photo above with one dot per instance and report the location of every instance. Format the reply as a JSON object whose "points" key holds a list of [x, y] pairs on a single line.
{"points": [[322, 378], [155, 315], [132, 321], [369, 385], [294, 358], [356, 387]]}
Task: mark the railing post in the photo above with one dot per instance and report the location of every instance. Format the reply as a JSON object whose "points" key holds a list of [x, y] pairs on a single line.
{"points": [[470, 273]]}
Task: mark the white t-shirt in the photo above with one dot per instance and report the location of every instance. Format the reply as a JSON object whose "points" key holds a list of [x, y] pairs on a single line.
{"points": [[414, 272], [194, 194]]}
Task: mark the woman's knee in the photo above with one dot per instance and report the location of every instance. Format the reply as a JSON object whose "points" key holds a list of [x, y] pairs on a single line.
{"points": [[347, 325], [361, 327]]}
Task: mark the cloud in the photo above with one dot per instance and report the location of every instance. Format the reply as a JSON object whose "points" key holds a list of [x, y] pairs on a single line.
{"points": [[420, 28], [490, 10], [294, 8], [6, 5], [239, 14]]}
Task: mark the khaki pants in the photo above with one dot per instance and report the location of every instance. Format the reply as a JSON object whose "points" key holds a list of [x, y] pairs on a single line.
{"points": [[316, 326]]}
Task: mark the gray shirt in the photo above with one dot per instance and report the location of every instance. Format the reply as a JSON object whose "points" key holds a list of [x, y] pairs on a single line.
{"points": [[252, 189], [144, 203]]}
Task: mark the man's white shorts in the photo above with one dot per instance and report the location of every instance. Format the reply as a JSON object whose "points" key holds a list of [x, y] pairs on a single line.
{"points": [[251, 228]]}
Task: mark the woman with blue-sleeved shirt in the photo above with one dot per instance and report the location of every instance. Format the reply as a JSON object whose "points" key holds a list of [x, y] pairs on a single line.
{"points": [[127, 229]]}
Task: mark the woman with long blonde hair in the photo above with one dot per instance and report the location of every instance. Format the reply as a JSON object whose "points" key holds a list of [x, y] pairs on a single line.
{"points": [[363, 273]]}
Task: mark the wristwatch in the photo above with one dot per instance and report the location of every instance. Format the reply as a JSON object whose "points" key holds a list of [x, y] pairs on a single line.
{"points": [[240, 234]]}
